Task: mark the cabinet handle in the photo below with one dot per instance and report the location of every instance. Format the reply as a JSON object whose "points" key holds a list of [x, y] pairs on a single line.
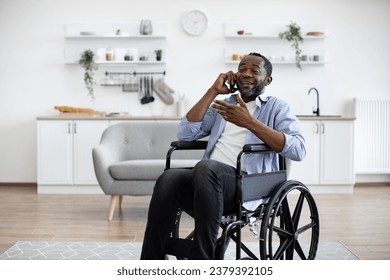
{"points": [[316, 129], [69, 131], [322, 128], [75, 128]]}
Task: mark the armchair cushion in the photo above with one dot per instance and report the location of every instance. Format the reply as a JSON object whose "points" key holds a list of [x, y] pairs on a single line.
{"points": [[145, 169]]}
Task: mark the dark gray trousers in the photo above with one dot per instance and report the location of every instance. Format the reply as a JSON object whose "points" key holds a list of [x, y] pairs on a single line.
{"points": [[206, 192]]}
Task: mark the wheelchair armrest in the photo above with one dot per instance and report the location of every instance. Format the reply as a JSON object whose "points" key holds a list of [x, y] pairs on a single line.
{"points": [[184, 145], [189, 145], [257, 148]]}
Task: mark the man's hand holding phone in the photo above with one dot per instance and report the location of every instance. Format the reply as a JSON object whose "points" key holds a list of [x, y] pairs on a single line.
{"points": [[225, 83]]}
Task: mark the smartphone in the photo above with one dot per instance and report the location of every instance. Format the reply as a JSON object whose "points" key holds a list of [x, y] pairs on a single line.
{"points": [[233, 88]]}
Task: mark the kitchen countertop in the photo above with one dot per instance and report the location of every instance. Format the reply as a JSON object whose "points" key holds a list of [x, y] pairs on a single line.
{"points": [[324, 118], [75, 116]]}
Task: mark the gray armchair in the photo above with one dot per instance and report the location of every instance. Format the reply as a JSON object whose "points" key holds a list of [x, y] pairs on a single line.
{"points": [[131, 156]]}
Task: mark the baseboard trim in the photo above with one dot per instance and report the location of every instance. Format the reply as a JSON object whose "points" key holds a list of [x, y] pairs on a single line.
{"points": [[69, 189], [368, 184], [331, 189], [16, 184]]}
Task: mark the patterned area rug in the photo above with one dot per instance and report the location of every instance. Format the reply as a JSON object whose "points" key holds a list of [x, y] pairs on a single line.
{"points": [[57, 250]]}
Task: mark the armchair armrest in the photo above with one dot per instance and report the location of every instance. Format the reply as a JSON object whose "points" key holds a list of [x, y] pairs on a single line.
{"points": [[103, 157]]}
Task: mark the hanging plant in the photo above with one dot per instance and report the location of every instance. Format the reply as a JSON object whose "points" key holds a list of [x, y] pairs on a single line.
{"points": [[87, 62], [293, 35]]}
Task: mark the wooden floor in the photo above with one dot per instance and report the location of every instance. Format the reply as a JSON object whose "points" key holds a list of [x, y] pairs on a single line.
{"points": [[360, 220]]}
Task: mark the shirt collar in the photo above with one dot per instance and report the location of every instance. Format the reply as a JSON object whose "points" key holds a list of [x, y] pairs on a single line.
{"points": [[261, 99]]}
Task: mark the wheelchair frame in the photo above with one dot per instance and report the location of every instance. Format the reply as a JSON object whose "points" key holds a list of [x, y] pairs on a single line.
{"points": [[279, 225]]}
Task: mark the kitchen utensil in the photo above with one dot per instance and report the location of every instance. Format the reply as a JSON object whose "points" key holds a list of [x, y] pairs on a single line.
{"points": [[147, 98]]}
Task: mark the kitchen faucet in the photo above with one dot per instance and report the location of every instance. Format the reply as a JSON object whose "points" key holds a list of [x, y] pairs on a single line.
{"points": [[317, 112]]}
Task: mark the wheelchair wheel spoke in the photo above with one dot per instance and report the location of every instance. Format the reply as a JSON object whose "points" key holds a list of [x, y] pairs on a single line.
{"points": [[305, 228], [283, 232], [299, 250], [298, 210], [290, 251], [282, 248], [286, 215]]}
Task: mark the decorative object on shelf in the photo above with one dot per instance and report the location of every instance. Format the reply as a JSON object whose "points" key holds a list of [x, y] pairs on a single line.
{"points": [[146, 27], [293, 34], [128, 56], [87, 33], [87, 62], [236, 57], [315, 33], [194, 23], [110, 55], [158, 54]]}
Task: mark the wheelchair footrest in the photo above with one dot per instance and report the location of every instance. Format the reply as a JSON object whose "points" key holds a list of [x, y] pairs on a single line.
{"points": [[179, 247]]}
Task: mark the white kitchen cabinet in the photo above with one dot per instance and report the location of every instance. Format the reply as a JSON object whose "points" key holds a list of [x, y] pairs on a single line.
{"points": [[55, 152], [86, 136], [65, 151], [329, 163]]}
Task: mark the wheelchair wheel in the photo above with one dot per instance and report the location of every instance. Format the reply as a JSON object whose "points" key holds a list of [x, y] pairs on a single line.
{"points": [[290, 225]]}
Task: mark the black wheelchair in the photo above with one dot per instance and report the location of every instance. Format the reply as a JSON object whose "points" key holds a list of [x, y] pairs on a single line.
{"points": [[287, 212]]}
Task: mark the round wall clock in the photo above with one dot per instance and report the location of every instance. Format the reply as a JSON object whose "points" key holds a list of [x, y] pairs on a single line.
{"points": [[194, 23]]}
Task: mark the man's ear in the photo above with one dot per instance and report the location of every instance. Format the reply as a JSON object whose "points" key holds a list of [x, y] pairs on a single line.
{"points": [[268, 80]]}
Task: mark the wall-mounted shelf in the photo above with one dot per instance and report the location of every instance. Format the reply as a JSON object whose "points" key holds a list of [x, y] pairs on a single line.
{"points": [[115, 37], [245, 37], [123, 63], [270, 37], [290, 62], [114, 30], [119, 38]]}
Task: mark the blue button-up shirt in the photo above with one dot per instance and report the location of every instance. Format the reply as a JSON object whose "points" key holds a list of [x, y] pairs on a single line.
{"points": [[273, 112]]}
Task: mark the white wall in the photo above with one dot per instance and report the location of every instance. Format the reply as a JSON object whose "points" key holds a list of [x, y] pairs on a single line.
{"points": [[33, 77]]}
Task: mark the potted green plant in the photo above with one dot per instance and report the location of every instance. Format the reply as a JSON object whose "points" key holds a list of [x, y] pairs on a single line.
{"points": [[88, 63], [293, 35], [158, 54]]}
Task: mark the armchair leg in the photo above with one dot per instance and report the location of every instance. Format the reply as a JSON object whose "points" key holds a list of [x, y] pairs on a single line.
{"points": [[120, 201], [111, 207]]}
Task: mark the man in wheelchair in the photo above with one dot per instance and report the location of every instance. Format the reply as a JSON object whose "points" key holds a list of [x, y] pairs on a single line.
{"points": [[208, 190]]}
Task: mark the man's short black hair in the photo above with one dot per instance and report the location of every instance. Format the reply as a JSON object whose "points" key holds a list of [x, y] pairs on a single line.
{"points": [[267, 63]]}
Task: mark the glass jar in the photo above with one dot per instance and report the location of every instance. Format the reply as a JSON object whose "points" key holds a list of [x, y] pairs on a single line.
{"points": [[110, 55]]}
